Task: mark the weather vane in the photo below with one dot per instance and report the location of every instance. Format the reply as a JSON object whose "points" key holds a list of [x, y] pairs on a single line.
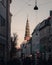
{"points": [[36, 7]]}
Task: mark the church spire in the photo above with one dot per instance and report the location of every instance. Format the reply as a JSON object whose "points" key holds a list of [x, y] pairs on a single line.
{"points": [[27, 31]]}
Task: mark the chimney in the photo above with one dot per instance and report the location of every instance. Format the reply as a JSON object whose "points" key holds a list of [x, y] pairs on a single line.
{"points": [[50, 12]]}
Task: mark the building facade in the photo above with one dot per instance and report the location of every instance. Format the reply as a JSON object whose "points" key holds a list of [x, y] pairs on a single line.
{"points": [[36, 40], [29, 47], [5, 30], [45, 37], [26, 48]]}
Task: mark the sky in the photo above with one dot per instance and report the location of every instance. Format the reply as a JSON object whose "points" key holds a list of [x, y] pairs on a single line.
{"points": [[21, 9]]}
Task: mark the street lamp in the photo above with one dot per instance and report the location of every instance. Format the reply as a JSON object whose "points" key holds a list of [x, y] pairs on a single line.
{"points": [[36, 7]]}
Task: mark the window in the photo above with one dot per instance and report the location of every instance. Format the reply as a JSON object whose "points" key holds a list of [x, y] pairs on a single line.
{"points": [[2, 21]]}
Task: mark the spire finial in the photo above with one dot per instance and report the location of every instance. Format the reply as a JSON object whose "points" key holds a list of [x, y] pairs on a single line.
{"points": [[27, 17]]}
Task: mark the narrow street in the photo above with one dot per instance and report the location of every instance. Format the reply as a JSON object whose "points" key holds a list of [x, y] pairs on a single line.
{"points": [[25, 32]]}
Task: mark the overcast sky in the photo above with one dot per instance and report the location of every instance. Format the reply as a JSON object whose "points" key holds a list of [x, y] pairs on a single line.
{"points": [[20, 9]]}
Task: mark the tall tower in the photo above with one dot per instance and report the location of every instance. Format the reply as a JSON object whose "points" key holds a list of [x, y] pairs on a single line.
{"points": [[27, 31]]}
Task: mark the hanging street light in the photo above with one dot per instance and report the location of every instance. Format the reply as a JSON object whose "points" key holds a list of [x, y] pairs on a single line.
{"points": [[36, 7]]}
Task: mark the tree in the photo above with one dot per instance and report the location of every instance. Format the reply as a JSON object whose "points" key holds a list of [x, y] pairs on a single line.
{"points": [[13, 45]]}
